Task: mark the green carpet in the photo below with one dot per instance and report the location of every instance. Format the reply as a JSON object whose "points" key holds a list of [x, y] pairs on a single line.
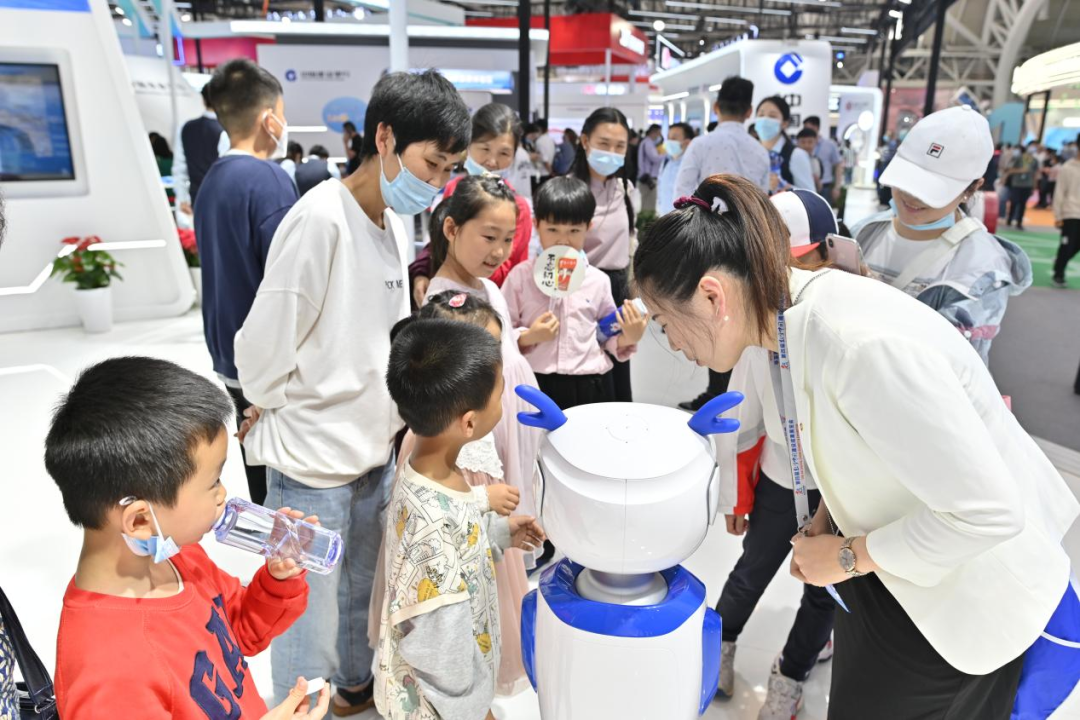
{"points": [[1042, 246]]}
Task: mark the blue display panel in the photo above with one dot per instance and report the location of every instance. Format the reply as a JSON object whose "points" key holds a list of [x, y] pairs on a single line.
{"points": [[34, 140]]}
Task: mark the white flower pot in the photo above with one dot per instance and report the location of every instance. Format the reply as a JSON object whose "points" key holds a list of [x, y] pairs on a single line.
{"points": [[196, 280], [95, 309]]}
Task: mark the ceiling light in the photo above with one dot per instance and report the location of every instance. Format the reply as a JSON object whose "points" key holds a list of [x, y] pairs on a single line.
{"points": [[119, 10], [126, 21], [857, 31], [809, 2], [658, 25], [701, 42], [840, 63]]}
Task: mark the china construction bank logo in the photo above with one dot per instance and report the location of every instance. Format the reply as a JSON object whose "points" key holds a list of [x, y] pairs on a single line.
{"points": [[290, 75], [788, 68]]}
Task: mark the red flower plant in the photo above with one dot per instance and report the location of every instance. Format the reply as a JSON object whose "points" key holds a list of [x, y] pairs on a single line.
{"points": [[88, 269]]}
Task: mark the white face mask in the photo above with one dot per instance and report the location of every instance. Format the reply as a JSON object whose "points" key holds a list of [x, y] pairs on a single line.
{"points": [[282, 140]]}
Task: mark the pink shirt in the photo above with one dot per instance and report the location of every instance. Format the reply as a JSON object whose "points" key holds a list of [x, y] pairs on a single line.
{"points": [[608, 241], [575, 349]]}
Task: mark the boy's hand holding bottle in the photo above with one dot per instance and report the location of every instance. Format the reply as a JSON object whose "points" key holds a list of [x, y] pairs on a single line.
{"points": [[286, 569]]}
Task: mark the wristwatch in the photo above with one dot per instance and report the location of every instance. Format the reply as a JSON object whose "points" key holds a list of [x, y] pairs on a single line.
{"points": [[847, 558]]}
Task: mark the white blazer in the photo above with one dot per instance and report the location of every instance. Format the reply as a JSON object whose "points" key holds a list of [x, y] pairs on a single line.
{"points": [[911, 444]]}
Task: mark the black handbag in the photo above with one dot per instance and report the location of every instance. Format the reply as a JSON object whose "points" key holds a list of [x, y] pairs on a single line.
{"points": [[35, 694]]}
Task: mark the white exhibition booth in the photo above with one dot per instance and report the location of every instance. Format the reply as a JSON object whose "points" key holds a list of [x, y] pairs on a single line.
{"points": [[83, 167], [800, 72]]}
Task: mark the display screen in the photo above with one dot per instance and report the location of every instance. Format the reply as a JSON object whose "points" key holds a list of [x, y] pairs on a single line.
{"points": [[34, 141]]}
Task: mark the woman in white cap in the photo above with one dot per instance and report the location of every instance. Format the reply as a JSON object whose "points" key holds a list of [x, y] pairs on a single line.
{"points": [[940, 521], [927, 246], [759, 504]]}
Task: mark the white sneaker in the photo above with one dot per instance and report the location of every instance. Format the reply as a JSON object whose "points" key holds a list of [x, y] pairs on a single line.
{"points": [[826, 652], [726, 687], [784, 699]]}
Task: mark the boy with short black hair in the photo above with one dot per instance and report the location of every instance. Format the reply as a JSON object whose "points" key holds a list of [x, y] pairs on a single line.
{"points": [[312, 354], [242, 201], [439, 640], [807, 139], [151, 627], [561, 344]]}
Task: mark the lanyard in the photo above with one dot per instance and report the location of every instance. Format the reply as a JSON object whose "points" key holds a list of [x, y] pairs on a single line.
{"points": [[784, 390]]}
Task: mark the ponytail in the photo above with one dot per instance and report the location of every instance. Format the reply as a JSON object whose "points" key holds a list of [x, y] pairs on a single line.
{"points": [[732, 227]]}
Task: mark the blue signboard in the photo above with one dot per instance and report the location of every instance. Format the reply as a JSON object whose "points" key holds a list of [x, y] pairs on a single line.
{"points": [[52, 5]]}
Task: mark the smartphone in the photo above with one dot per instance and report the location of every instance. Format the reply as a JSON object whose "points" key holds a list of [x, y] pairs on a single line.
{"points": [[844, 253]]}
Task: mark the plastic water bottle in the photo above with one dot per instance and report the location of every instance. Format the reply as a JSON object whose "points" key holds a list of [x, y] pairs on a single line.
{"points": [[271, 534], [608, 327]]}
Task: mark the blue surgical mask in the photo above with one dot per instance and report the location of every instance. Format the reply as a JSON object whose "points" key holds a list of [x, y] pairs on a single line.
{"points": [[943, 224], [407, 194], [160, 546], [606, 163], [474, 168], [674, 149], [767, 128]]}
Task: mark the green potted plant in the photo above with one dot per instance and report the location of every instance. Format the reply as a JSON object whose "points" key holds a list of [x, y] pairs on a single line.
{"points": [[191, 254], [92, 272]]}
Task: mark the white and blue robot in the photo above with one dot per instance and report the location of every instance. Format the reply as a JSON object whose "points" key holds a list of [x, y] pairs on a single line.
{"points": [[619, 629]]}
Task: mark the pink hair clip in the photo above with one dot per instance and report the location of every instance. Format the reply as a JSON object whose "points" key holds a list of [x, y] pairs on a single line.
{"points": [[458, 300]]}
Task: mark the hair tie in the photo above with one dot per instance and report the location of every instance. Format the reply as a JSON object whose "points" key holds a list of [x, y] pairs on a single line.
{"points": [[719, 206], [688, 200], [458, 300]]}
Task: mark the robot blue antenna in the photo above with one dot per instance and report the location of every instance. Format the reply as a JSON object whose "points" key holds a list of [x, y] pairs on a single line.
{"points": [[549, 418], [706, 421]]}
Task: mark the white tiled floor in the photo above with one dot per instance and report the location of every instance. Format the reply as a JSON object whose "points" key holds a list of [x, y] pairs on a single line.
{"points": [[39, 548]]}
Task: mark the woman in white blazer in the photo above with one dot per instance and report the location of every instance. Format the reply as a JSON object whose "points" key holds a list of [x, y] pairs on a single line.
{"points": [[941, 520]]}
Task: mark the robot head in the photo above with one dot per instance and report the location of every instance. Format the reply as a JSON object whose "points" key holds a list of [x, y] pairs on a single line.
{"points": [[627, 487]]}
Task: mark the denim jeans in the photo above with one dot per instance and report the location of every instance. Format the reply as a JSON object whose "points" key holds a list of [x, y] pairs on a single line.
{"points": [[330, 638]]}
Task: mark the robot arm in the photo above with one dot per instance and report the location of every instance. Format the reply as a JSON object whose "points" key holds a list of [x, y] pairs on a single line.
{"points": [[528, 638], [710, 657]]}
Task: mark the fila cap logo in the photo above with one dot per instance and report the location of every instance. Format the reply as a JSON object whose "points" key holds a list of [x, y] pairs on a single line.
{"points": [[935, 150]]}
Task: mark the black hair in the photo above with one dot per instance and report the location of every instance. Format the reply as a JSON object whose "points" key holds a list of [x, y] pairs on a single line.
{"points": [[688, 130], [735, 97], [205, 92], [439, 370], [472, 309], [495, 119], [812, 120], [564, 200], [781, 105], [748, 239], [652, 127], [570, 133], [130, 426], [240, 91], [471, 195], [319, 151], [542, 124], [294, 149], [531, 128], [806, 133], [160, 146], [712, 125], [418, 107], [348, 126], [580, 168]]}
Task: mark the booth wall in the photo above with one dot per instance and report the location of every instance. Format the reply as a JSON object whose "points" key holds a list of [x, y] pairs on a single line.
{"points": [[323, 81], [125, 201]]}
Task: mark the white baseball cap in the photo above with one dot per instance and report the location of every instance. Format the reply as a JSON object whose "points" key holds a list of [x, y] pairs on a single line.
{"points": [[941, 156]]}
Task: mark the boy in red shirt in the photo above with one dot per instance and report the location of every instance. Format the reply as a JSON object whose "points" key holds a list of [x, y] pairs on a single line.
{"points": [[151, 628]]}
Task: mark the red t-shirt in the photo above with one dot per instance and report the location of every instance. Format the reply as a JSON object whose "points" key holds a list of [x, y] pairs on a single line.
{"points": [[180, 657]]}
